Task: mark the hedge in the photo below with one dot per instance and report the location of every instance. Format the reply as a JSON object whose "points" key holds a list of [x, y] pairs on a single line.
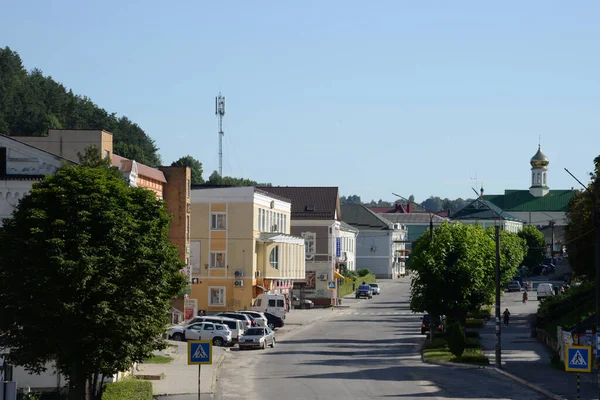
{"points": [[346, 287], [128, 389]]}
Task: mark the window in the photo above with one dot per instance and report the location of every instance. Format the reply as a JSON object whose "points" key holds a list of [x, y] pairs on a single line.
{"points": [[258, 302], [216, 296], [209, 327], [309, 243], [284, 224], [217, 260], [264, 218], [187, 227], [260, 219], [271, 302], [274, 257], [544, 178], [280, 303], [218, 221], [188, 185]]}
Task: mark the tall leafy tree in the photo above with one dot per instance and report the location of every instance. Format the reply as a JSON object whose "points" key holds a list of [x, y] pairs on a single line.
{"points": [[195, 167], [579, 232], [513, 249], [216, 179], [536, 245], [454, 273], [86, 276]]}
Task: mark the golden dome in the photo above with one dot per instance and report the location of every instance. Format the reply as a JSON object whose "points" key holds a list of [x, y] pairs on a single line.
{"points": [[539, 160]]}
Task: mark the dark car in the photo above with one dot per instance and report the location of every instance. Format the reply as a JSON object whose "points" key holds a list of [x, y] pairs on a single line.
{"points": [[364, 291], [426, 322], [274, 321]]}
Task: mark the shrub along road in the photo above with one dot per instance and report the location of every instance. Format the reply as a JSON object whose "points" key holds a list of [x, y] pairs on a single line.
{"points": [[371, 350]]}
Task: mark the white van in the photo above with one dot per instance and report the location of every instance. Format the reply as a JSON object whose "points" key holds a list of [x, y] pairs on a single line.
{"points": [[545, 290], [271, 303]]}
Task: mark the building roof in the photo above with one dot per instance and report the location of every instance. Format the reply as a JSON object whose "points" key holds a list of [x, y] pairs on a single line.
{"points": [[347, 228], [479, 209], [363, 219], [309, 202], [412, 218], [523, 200], [125, 165]]}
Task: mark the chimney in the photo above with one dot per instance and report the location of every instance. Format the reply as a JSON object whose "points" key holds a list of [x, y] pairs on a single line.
{"points": [[409, 207]]}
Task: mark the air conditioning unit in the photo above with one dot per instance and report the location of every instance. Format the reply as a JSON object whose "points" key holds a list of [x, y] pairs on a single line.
{"points": [[257, 274], [239, 273], [323, 277], [238, 283]]}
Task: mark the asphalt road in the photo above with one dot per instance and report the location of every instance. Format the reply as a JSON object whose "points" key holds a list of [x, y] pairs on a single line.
{"points": [[368, 351]]}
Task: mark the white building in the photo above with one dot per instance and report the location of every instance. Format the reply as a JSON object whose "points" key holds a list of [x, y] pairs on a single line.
{"points": [[347, 253]]}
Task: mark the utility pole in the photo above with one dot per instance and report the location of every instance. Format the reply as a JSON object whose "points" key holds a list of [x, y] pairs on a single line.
{"points": [[596, 217], [497, 281]]}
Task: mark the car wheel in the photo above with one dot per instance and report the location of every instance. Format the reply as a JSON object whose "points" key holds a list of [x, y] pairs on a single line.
{"points": [[178, 336], [264, 345], [218, 342], [273, 343], [271, 325]]}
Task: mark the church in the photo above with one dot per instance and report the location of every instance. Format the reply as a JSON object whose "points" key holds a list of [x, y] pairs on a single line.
{"points": [[539, 206]]}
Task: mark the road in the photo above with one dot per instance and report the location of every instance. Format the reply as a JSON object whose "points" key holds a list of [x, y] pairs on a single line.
{"points": [[368, 351]]}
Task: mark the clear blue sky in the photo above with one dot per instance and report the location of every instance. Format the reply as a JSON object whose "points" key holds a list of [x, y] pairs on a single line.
{"points": [[373, 97]]}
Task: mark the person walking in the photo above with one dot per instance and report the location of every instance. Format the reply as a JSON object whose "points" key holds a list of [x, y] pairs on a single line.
{"points": [[506, 315]]}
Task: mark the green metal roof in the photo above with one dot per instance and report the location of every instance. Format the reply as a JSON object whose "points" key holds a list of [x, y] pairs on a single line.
{"points": [[479, 209], [522, 200]]}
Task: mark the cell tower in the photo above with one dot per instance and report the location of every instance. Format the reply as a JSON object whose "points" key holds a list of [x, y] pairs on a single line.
{"points": [[220, 112]]}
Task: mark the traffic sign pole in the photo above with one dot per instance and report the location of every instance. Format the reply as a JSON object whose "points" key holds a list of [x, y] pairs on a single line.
{"points": [[577, 387], [200, 375]]}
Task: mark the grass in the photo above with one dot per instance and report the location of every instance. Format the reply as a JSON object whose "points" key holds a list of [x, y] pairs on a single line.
{"points": [[128, 389], [438, 351], [158, 359], [346, 287]]}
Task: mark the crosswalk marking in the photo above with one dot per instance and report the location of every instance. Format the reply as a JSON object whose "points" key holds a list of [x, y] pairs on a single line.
{"points": [[377, 313]]}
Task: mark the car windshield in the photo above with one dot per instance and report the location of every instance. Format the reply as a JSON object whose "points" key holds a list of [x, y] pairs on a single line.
{"points": [[255, 332], [373, 285], [365, 287]]}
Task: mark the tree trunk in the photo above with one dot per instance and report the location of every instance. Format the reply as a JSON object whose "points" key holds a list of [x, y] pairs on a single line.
{"points": [[78, 386]]}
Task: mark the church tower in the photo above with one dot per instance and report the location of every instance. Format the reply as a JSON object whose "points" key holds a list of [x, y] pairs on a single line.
{"points": [[539, 174]]}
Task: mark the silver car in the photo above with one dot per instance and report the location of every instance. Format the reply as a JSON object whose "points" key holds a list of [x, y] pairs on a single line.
{"points": [[258, 337]]}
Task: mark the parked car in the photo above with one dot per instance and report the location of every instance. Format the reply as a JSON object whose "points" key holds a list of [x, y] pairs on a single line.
{"points": [[220, 335], [306, 303], [273, 321], [514, 286], [246, 319], [545, 290], [257, 316], [364, 291], [235, 325], [258, 337], [426, 323], [375, 288]]}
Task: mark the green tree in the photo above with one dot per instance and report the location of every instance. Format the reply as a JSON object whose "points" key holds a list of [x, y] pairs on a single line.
{"points": [[216, 179], [453, 274], [92, 158], [536, 245], [579, 232], [411, 198], [87, 274], [195, 166], [513, 249]]}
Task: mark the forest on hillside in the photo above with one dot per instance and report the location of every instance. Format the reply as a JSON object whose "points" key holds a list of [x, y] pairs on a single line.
{"points": [[433, 203], [31, 103]]}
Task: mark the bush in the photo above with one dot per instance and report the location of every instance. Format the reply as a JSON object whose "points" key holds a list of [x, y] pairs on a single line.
{"points": [[128, 389], [472, 334], [54, 395], [455, 337], [363, 272], [475, 323]]}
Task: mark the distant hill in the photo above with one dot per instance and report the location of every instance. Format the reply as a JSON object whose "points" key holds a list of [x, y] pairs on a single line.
{"points": [[31, 103], [433, 203]]}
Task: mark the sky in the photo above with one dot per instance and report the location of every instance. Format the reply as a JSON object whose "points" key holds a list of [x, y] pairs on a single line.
{"points": [[421, 98]]}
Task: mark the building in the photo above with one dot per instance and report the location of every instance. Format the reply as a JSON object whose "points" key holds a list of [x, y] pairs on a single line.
{"points": [[539, 205], [380, 243], [241, 247], [416, 222], [316, 217], [346, 247], [141, 175], [487, 214]]}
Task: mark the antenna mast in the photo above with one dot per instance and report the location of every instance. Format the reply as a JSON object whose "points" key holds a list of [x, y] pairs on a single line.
{"points": [[220, 112]]}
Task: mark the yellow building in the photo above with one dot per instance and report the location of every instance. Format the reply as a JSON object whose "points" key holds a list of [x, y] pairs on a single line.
{"points": [[241, 247]]}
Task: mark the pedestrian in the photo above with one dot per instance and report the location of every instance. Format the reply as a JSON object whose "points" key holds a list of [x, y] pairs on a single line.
{"points": [[506, 315]]}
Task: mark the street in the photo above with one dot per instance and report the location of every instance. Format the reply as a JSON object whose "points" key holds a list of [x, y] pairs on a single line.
{"points": [[370, 350]]}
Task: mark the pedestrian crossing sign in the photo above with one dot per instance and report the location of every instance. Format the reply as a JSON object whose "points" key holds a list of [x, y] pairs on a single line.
{"points": [[578, 359], [199, 352], [331, 285]]}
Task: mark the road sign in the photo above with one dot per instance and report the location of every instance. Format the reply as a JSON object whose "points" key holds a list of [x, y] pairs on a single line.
{"points": [[578, 359], [331, 285], [199, 352]]}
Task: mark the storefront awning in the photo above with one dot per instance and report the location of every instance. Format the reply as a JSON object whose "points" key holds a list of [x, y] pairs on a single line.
{"points": [[338, 275], [262, 287], [279, 238]]}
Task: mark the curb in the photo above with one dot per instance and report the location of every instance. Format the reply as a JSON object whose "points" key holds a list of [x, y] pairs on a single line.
{"points": [[451, 364], [216, 367], [528, 384]]}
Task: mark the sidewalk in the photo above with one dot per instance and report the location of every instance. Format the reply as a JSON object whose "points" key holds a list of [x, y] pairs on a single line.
{"points": [[177, 376], [528, 359]]}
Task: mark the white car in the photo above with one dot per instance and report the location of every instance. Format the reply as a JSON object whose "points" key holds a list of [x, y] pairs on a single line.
{"points": [[375, 288], [219, 334], [258, 317], [258, 337]]}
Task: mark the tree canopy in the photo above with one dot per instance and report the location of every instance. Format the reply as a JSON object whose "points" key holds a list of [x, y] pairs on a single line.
{"points": [[579, 232], [536, 246], [215, 179], [87, 274], [433, 203], [195, 167], [31, 103], [513, 249]]}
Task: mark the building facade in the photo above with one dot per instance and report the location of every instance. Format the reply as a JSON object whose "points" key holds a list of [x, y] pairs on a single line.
{"points": [[241, 247], [381, 244], [487, 214], [346, 247]]}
